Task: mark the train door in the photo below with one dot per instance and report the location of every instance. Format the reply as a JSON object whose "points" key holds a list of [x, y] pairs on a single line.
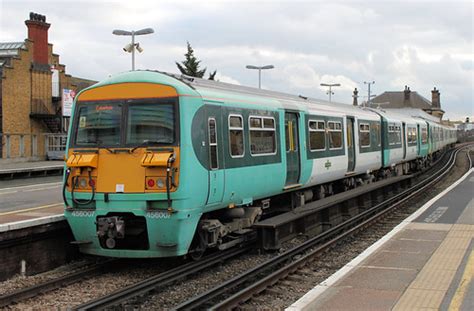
{"points": [[214, 143], [404, 140], [292, 149], [350, 144]]}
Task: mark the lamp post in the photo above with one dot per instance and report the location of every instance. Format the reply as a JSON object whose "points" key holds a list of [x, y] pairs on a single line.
{"points": [[368, 95], [260, 68], [330, 92], [132, 46]]}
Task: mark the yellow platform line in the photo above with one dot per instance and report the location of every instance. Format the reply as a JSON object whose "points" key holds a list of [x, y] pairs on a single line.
{"points": [[466, 279], [30, 209]]}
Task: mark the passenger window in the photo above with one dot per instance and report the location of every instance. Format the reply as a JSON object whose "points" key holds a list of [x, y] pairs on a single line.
{"points": [[335, 135], [213, 163], [394, 135], [376, 129], [424, 135], [262, 136], [317, 135], [412, 135], [236, 136], [364, 135]]}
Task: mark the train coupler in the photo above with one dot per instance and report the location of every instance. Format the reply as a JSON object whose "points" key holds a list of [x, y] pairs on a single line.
{"points": [[110, 229]]}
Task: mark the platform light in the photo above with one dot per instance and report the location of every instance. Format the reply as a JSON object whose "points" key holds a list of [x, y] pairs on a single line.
{"points": [[130, 48], [260, 68], [330, 85]]}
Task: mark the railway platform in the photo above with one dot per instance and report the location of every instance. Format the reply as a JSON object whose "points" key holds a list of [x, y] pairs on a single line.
{"points": [[34, 235], [30, 217], [29, 169], [425, 263]]}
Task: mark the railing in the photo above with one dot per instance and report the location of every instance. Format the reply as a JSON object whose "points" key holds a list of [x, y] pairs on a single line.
{"points": [[32, 146], [55, 146]]}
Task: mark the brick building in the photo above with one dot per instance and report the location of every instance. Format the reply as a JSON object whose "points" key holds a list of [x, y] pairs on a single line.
{"points": [[32, 85]]}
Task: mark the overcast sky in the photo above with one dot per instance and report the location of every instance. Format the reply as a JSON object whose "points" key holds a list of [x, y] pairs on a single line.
{"points": [[421, 44]]}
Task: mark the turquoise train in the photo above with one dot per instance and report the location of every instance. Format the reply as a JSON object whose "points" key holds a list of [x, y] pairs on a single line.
{"points": [[161, 165]]}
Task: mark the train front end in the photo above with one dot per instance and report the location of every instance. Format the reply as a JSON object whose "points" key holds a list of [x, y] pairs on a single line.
{"points": [[122, 183]]}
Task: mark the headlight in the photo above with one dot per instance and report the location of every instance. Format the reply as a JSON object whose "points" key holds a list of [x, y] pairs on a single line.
{"points": [[82, 183], [160, 183]]}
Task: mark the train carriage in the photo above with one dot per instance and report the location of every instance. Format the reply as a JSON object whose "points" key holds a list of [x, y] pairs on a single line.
{"points": [[160, 165]]}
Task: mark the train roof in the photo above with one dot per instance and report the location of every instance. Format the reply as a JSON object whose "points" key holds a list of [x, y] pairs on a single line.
{"points": [[209, 89]]}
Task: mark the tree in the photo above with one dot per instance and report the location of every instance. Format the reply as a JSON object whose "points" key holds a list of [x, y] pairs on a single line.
{"points": [[190, 66]]}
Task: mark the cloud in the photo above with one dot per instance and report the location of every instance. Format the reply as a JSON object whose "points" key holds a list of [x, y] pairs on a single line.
{"points": [[395, 43]]}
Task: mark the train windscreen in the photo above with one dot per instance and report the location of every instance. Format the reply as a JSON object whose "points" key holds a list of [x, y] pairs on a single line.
{"points": [[125, 123]]}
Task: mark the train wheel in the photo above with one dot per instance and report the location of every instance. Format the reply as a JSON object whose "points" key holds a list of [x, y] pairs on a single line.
{"points": [[198, 247]]}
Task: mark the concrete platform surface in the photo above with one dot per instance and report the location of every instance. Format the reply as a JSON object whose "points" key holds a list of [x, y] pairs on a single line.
{"points": [[26, 166], [425, 263], [31, 217]]}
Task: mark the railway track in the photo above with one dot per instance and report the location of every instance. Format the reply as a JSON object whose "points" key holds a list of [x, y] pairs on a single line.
{"points": [[243, 287], [35, 290], [153, 283]]}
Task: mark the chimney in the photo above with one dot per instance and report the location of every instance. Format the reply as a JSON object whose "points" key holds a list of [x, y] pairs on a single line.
{"points": [[435, 102], [406, 93], [38, 33], [355, 96]]}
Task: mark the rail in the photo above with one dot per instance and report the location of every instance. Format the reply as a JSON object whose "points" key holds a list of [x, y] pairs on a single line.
{"points": [[323, 242], [51, 285], [161, 279]]}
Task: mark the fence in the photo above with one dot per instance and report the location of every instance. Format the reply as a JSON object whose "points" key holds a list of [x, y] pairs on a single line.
{"points": [[32, 146]]}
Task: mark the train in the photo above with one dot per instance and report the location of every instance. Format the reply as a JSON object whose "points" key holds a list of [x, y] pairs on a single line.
{"points": [[165, 165]]}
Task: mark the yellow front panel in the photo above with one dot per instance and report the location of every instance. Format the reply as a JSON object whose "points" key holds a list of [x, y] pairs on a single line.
{"points": [[124, 171], [127, 91], [120, 169]]}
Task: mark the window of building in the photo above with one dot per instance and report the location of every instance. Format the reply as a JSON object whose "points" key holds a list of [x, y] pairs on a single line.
{"points": [[364, 135], [317, 135], [236, 136], [262, 135], [335, 135]]}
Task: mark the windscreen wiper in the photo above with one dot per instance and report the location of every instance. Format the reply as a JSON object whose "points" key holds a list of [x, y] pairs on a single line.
{"points": [[146, 143]]}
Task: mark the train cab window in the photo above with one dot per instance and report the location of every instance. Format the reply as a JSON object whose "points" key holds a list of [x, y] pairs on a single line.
{"points": [[335, 135], [213, 162], [150, 122], [99, 125], [236, 136], [262, 136], [317, 135], [364, 135], [424, 135]]}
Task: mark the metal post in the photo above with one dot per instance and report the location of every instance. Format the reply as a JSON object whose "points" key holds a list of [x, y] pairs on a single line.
{"points": [[260, 68], [368, 91], [133, 50]]}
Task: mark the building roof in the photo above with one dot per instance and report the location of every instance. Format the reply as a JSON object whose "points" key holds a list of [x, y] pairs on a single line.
{"points": [[9, 49], [397, 100]]}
